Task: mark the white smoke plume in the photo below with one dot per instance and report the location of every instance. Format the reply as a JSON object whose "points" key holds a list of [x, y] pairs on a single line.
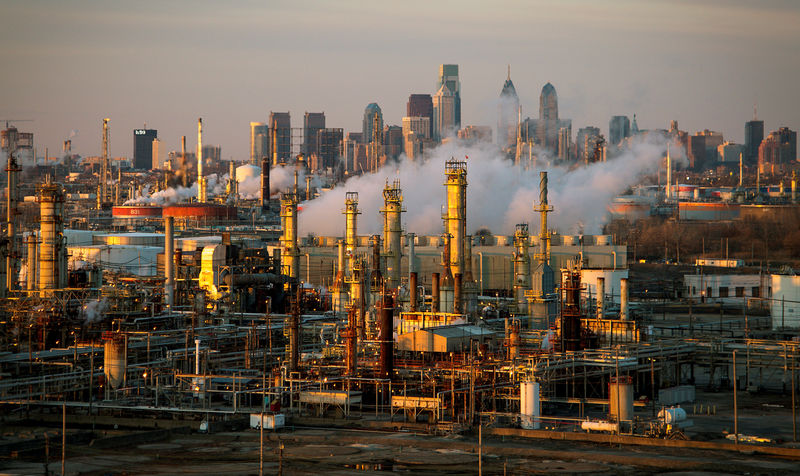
{"points": [[499, 194], [93, 310]]}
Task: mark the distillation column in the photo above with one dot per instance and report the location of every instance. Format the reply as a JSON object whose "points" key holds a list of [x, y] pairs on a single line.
{"points": [[522, 268], [542, 306], [456, 218], [32, 263], [350, 233], [104, 172], [169, 262], [52, 255], [201, 181], [290, 253], [12, 193], [392, 233]]}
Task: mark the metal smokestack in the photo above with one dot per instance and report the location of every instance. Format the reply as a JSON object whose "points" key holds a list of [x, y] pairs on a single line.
{"points": [[386, 337], [435, 292], [669, 175], [201, 185], [265, 170], [104, 172], [12, 191], [457, 300], [623, 293], [184, 171], [32, 262], [169, 260], [601, 292], [412, 292]]}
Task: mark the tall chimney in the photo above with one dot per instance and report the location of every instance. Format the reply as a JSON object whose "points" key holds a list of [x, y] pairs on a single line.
{"points": [[169, 261], [386, 337], [457, 299], [265, 170], [435, 292], [623, 294], [32, 262], [601, 293], [104, 172], [669, 175], [201, 193]]}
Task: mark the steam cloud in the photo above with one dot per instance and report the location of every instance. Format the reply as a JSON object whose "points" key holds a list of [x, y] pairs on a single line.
{"points": [[93, 310], [499, 194]]}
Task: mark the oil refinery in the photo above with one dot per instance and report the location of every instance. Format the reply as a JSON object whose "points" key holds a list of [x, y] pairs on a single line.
{"points": [[202, 313]]}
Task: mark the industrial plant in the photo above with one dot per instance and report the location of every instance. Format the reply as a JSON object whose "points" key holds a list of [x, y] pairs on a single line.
{"points": [[212, 312]]}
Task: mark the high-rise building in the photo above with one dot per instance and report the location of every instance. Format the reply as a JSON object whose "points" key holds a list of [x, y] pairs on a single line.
{"points": [[19, 143], [544, 131], [564, 145], [156, 154], [728, 153], [421, 105], [448, 76], [313, 122], [349, 150], [507, 115], [753, 135], [280, 137], [696, 152], [259, 142], [143, 148], [778, 151], [371, 112], [212, 154], [328, 146], [619, 128], [713, 140], [419, 125], [585, 134], [444, 108], [392, 142], [473, 134]]}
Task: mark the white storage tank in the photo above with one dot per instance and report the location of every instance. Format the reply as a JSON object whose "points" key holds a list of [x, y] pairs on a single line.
{"points": [[115, 360], [672, 414], [620, 398], [529, 405]]}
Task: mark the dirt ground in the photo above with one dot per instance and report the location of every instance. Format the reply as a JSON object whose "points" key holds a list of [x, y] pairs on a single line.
{"points": [[361, 452]]}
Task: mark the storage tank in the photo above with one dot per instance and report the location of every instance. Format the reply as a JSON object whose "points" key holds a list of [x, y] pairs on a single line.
{"points": [[207, 211], [672, 414], [529, 405], [115, 359], [620, 398], [135, 212]]}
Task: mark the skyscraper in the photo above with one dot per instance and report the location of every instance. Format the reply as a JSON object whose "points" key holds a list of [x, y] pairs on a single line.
{"points": [[312, 123], [444, 107], [619, 127], [448, 76], [778, 151], [421, 105], [367, 126], [545, 130], [143, 148], [259, 142], [280, 136], [392, 141], [507, 115], [329, 146], [753, 135]]}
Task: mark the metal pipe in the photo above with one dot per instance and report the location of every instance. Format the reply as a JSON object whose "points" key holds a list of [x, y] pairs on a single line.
{"points": [[197, 356], [435, 292], [601, 296], [386, 337], [412, 292], [169, 261], [623, 294], [457, 299], [412, 254]]}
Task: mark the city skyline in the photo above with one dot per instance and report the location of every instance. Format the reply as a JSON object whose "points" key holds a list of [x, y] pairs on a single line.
{"points": [[169, 64]]}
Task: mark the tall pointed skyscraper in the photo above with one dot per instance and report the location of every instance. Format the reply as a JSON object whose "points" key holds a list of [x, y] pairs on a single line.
{"points": [[507, 114], [444, 107], [546, 129]]}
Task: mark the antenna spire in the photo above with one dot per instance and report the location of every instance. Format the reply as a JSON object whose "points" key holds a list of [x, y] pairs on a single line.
{"points": [[509, 72]]}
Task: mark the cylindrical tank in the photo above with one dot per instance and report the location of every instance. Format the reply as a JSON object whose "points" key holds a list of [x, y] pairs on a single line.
{"points": [[134, 212], [621, 398], [204, 211], [115, 360], [522, 268], [623, 292], [52, 255], [529, 405], [672, 414]]}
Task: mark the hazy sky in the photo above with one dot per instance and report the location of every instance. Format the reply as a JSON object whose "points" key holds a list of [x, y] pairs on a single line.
{"points": [[68, 64]]}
